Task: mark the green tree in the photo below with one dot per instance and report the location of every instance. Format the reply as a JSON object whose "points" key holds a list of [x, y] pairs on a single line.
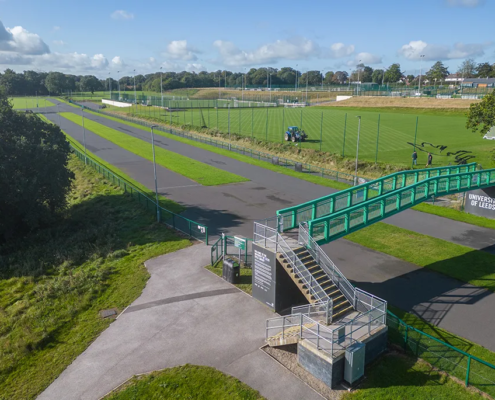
{"points": [[393, 74], [13, 83], [328, 78], [90, 83], [312, 78], [410, 79], [366, 74], [287, 75], [438, 72], [56, 82], [377, 76], [467, 69], [34, 176], [484, 70], [481, 116]]}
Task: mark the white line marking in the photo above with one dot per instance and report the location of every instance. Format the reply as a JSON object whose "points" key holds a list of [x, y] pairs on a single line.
{"points": [[177, 187]]}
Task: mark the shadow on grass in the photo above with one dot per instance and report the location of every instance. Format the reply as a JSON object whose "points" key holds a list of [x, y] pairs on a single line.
{"points": [[99, 226]]}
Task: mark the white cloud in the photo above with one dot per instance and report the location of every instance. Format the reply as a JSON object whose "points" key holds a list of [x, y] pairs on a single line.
{"points": [[117, 62], [414, 49], [180, 50], [465, 3], [195, 67], [122, 15], [365, 58], [170, 66], [293, 49], [59, 42], [296, 48], [339, 50], [19, 40]]}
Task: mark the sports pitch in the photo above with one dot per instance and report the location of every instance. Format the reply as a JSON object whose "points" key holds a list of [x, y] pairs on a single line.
{"points": [[445, 136], [30, 102]]}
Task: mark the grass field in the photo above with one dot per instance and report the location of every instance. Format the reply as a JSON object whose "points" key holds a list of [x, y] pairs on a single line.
{"points": [[30, 102], [395, 135], [436, 254], [408, 102], [183, 383], [56, 281], [192, 169]]}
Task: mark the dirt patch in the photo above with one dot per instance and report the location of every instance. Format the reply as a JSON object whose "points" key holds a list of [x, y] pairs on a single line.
{"points": [[399, 102], [287, 356]]}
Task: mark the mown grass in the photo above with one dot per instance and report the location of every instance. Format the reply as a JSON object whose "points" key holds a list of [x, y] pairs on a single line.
{"points": [[248, 160], [192, 169], [30, 102], [185, 382], [168, 204], [54, 282], [396, 376], [459, 262], [246, 279], [397, 130]]}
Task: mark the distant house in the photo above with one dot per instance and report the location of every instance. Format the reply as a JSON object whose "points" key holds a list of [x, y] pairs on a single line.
{"points": [[479, 83], [454, 78]]}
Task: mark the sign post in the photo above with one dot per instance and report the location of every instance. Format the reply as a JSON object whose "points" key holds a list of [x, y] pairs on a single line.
{"points": [[240, 243]]}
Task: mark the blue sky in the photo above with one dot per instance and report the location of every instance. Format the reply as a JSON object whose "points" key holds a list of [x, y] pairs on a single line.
{"points": [[102, 37]]}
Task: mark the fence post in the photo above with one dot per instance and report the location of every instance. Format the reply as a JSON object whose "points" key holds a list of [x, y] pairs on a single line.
{"points": [[467, 371], [345, 126], [405, 338]]}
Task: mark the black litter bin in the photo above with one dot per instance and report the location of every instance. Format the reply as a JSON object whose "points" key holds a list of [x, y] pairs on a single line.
{"points": [[231, 270]]}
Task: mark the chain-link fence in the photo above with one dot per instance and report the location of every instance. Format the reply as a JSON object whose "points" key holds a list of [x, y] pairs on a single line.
{"points": [[469, 369], [190, 228]]}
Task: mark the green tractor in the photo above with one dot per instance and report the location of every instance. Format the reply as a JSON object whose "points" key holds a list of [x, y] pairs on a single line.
{"points": [[295, 135]]}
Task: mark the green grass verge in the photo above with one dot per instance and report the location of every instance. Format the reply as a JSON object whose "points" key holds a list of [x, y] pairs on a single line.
{"points": [[248, 160], [192, 169], [460, 262], [168, 204], [30, 102], [185, 382], [57, 280], [246, 280], [455, 215], [396, 376]]}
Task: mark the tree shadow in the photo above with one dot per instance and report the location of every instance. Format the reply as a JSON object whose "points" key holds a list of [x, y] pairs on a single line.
{"points": [[97, 227]]}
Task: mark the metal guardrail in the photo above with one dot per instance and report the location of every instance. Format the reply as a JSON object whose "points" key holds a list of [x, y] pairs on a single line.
{"points": [[322, 310], [339, 224], [291, 217], [270, 238], [225, 246]]}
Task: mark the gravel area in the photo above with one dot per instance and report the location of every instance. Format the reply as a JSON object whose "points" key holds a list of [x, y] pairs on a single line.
{"points": [[287, 356]]}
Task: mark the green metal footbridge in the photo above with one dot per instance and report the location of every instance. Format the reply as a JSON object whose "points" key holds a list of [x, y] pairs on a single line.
{"points": [[334, 216]]}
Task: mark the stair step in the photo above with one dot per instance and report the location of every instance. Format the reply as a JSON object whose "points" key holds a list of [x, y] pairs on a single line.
{"points": [[338, 298], [313, 267], [341, 312], [340, 304], [327, 287], [324, 282]]}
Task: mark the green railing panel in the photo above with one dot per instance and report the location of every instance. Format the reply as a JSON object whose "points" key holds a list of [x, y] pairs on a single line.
{"points": [[291, 217], [341, 223]]}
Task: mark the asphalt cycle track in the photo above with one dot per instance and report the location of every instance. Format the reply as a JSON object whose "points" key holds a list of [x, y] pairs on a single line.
{"points": [[458, 307]]}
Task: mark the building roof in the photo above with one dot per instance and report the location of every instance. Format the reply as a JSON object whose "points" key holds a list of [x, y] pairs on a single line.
{"points": [[479, 80]]}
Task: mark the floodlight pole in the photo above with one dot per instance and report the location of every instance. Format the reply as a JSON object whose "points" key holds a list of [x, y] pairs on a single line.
{"points": [[135, 97], [154, 171], [295, 87], [420, 63], [118, 81], [110, 84], [230, 139], [357, 151], [161, 85], [84, 136]]}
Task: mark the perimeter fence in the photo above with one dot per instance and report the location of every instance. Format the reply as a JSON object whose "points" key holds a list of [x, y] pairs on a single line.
{"points": [[468, 368], [178, 222]]}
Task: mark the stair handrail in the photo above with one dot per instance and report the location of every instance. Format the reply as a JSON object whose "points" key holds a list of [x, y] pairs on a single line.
{"points": [[475, 179], [328, 266], [318, 308], [301, 269], [291, 216]]}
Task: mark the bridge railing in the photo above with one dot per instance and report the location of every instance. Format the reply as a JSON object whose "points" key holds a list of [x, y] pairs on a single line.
{"points": [[291, 217], [339, 224]]}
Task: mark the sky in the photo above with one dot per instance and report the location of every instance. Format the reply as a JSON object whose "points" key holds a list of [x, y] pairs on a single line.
{"points": [[115, 38]]}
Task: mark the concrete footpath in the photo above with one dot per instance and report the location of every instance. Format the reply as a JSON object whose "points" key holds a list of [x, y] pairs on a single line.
{"points": [[185, 315]]}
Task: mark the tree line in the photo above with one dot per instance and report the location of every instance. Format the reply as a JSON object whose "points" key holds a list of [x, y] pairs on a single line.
{"points": [[45, 83]]}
